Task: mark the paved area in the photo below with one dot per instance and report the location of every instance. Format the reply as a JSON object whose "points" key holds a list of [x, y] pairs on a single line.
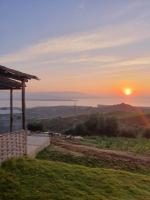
{"points": [[36, 143]]}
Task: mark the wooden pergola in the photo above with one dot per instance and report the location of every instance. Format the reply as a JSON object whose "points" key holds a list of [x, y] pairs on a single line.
{"points": [[15, 80]]}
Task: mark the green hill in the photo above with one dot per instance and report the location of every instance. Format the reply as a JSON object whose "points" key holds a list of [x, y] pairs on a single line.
{"points": [[27, 179]]}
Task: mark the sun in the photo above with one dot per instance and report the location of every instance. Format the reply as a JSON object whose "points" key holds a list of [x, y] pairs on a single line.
{"points": [[127, 91]]}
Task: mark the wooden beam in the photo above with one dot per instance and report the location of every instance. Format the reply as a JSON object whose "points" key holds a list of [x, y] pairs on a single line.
{"points": [[9, 88], [16, 74], [9, 81], [12, 76], [11, 110], [23, 106]]}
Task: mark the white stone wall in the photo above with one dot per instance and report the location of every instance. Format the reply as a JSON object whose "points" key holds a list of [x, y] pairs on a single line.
{"points": [[36, 143], [13, 145]]}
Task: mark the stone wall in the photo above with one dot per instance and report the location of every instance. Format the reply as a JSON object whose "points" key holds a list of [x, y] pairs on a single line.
{"points": [[13, 145], [36, 143]]}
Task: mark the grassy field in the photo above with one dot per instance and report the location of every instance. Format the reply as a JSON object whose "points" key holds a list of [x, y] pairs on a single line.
{"points": [[54, 154], [134, 145], [26, 179]]}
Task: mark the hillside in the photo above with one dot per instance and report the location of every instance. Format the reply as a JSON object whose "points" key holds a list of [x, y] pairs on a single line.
{"points": [[58, 118], [67, 111], [42, 180]]}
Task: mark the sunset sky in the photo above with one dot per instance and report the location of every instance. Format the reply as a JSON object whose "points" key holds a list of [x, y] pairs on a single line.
{"points": [[91, 46]]}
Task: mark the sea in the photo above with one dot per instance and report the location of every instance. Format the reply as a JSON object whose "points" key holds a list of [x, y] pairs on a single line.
{"points": [[30, 103]]}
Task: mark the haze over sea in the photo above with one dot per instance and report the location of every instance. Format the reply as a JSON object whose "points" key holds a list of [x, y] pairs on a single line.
{"points": [[136, 101]]}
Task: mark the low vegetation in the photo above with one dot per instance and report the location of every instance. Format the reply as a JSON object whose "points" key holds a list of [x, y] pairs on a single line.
{"points": [[146, 133], [36, 126], [110, 126], [27, 179], [59, 124], [129, 125], [133, 145], [53, 153], [64, 173], [96, 124]]}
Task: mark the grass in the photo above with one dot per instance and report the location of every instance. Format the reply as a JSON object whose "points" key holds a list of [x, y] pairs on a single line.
{"points": [[133, 145], [51, 153], [27, 179]]}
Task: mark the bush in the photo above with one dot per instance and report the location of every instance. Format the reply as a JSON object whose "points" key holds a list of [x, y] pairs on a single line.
{"points": [[146, 133], [96, 125], [91, 123], [111, 126], [35, 126], [80, 129], [128, 132]]}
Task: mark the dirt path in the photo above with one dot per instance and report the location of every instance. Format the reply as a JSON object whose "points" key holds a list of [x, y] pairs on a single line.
{"points": [[102, 153]]}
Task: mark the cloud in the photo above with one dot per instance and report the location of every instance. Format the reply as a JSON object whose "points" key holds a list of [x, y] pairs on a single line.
{"points": [[122, 67], [81, 59], [108, 37], [136, 61]]}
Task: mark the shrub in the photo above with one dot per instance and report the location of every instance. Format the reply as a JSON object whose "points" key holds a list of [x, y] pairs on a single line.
{"points": [[80, 129], [101, 125], [146, 133], [91, 123], [96, 125], [35, 126], [128, 132], [111, 126]]}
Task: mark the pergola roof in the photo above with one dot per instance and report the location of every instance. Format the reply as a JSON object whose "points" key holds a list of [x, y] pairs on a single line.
{"points": [[12, 79]]}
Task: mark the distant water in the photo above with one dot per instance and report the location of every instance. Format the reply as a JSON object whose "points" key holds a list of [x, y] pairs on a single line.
{"points": [[81, 102]]}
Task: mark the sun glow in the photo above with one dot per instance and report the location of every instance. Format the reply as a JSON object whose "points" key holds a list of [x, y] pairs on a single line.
{"points": [[127, 91]]}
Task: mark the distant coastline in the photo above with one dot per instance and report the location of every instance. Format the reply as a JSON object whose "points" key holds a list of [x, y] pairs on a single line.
{"points": [[42, 99], [28, 99], [94, 102]]}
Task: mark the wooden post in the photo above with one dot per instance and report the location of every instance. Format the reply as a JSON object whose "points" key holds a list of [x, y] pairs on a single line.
{"points": [[23, 106], [11, 110]]}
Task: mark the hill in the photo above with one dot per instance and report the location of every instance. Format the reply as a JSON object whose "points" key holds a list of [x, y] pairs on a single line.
{"points": [[68, 111], [122, 107], [42, 180], [72, 115]]}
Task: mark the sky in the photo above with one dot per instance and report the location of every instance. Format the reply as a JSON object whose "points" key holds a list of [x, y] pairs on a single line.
{"points": [[90, 46]]}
